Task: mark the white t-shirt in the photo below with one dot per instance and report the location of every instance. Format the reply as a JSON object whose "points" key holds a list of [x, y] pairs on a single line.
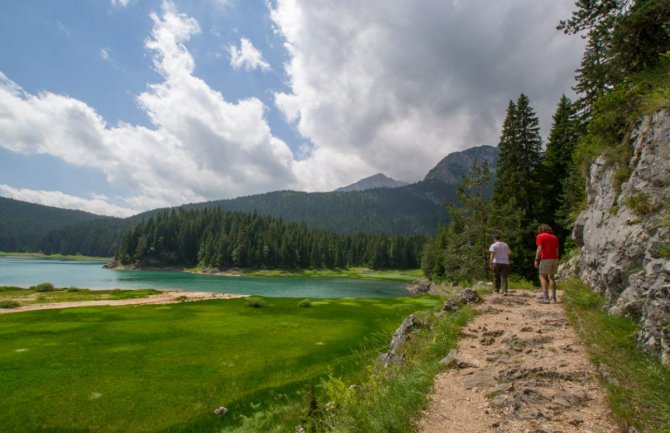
{"points": [[500, 252]]}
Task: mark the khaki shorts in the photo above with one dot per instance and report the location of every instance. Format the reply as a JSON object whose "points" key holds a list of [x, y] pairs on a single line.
{"points": [[549, 267]]}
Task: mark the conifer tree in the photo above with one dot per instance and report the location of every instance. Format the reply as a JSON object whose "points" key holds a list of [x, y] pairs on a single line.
{"points": [[558, 164], [623, 37], [520, 154]]}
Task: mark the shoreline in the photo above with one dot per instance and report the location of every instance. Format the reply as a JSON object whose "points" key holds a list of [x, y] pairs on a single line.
{"points": [[406, 276], [165, 297]]}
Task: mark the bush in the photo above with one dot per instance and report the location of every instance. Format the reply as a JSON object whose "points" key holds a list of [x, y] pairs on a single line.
{"points": [[664, 251], [255, 303], [640, 204], [9, 304], [305, 303], [44, 287]]}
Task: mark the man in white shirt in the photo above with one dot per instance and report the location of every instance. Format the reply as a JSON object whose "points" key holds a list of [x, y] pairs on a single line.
{"points": [[499, 263]]}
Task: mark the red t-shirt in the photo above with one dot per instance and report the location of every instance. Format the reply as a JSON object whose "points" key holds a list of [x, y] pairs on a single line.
{"points": [[549, 244]]}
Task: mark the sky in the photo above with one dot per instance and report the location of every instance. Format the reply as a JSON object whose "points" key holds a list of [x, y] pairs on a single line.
{"points": [[119, 106]]}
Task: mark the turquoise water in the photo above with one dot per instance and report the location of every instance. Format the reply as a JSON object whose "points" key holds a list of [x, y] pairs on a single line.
{"points": [[25, 272]]}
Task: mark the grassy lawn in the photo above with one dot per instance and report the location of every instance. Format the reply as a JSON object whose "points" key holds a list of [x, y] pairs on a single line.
{"points": [[638, 385], [32, 296], [165, 368]]}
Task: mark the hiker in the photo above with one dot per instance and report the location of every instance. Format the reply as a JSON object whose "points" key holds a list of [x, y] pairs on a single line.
{"points": [[499, 263], [546, 260]]}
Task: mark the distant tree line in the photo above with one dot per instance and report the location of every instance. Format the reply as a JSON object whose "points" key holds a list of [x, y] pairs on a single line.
{"points": [[213, 238]]}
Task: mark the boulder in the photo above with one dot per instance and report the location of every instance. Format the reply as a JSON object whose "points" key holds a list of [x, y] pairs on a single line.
{"points": [[467, 296]]}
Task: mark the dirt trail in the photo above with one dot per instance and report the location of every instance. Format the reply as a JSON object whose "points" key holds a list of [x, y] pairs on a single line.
{"points": [[161, 298], [519, 368]]}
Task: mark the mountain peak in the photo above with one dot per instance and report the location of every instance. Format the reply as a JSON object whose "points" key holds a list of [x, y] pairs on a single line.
{"points": [[379, 180], [457, 164]]}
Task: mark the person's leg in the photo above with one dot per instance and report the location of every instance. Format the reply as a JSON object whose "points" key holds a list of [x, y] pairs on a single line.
{"points": [[504, 273], [552, 285], [496, 281], [544, 283]]}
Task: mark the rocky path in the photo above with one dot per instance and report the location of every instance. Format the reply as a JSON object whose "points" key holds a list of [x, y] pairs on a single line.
{"points": [[519, 368]]}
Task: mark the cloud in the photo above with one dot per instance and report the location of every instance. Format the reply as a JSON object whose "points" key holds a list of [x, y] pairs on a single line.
{"points": [[121, 3], [396, 86], [199, 147], [373, 86], [98, 205], [247, 56]]}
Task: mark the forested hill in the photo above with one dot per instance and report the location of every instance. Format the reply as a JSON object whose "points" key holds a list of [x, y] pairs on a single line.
{"points": [[24, 226], [415, 209], [216, 239], [412, 209]]}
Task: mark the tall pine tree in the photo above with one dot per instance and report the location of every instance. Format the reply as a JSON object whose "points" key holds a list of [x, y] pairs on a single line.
{"points": [[519, 186], [558, 165], [518, 173]]}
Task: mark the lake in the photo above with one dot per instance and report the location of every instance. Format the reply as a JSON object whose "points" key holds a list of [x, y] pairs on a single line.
{"points": [[25, 272]]}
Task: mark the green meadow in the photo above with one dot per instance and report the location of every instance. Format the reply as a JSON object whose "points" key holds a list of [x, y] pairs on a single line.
{"points": [[166, 368]]}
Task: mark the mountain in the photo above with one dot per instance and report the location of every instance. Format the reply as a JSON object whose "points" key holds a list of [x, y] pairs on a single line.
{"points": [[23, 225], [415, 209], [378, 180], [452, 168]]}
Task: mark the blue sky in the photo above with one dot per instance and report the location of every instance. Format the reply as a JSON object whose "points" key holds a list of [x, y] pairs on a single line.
{"points": [[118, 106]]}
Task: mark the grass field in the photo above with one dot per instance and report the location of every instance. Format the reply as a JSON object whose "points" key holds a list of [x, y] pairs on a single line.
{"points": [[165, 368]]}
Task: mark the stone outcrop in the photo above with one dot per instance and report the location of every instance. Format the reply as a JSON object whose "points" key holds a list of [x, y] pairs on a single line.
{"points": [[399, 337], [624, 233]]}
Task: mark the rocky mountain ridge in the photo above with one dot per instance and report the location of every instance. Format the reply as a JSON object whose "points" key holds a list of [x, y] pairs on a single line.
{"points": [[624, 233], [379, 180]]}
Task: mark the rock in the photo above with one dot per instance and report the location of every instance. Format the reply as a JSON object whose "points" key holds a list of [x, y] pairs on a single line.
{"points": [[399, 337], [479, 379], [420, 287], [450, 360], [220, 411], [467, 296], [623, 229]]}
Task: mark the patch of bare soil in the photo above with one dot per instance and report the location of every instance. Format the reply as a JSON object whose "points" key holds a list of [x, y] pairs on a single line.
{"points": [[161, 298], [519, 368]]}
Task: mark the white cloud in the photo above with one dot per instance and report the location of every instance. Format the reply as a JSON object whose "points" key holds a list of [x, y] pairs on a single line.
{"points": [[396, 86], [104, 54], [200, 146], [121, 3], [98, 204], [247, 56], [374, 86]]}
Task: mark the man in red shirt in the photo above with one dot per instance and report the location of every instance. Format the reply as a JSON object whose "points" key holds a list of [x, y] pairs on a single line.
{"points": [[546, 260]]}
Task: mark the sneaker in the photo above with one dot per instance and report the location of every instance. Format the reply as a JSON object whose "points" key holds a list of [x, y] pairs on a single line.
{"points": [[544, 301]]}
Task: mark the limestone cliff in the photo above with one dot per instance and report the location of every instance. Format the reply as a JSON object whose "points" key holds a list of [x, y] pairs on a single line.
{"points": [[624, 233]]}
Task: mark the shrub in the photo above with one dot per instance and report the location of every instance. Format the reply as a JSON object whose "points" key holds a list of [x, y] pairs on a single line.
{"points": [[255, 303], [664, 251], [305, 303], [9, 304], [44, 287], [640, 204]]}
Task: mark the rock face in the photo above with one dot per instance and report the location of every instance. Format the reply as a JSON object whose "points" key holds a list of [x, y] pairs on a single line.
{"points": [[455, 165], [625, 233], [379, 180]]}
